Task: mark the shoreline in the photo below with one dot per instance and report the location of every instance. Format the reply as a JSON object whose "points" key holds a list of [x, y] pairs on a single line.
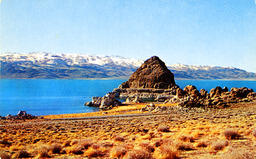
{"points": [[126, 77], [119, 110]]}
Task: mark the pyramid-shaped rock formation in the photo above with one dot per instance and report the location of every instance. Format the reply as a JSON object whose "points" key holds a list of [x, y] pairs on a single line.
{"points": [[153, 73]]}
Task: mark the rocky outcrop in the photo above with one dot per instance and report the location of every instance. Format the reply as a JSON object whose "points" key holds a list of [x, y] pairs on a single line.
{"points": [[153, 82], [240, 92], [192, 91], [217, 97], [153, 73], [145, 94], [203, 93], [180, 93], [216, 92], [22, 115], [130, 100], [153, 108], [106, 102]]}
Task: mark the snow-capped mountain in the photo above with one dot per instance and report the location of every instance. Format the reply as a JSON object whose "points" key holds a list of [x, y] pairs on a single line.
{"points": [[69, 59], [47, 65], [182, 67], [209, 72]]}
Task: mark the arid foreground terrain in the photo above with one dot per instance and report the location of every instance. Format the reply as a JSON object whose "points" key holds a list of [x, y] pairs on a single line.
{"points": [[176, 133]]}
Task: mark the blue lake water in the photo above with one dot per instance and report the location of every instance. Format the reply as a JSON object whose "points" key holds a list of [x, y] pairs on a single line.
{"points": [[43, 96]]}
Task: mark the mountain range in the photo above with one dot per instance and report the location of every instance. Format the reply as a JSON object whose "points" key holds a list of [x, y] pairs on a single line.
{"points": [[47, 65]]}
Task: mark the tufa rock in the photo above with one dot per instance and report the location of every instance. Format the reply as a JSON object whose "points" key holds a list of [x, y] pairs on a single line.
{"points": [[251, 95], [153, 73], [216, 92], [137, 100], [106, 102], [203, 93], [180, 93], [240, 92], [192, 91], [217, 98], [22, 115], [225, 89]]}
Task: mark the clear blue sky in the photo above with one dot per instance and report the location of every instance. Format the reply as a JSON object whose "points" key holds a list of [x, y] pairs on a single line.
{"points": [[198, 32]]}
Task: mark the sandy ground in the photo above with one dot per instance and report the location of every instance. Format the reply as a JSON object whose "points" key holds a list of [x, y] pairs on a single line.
{"points": [[178, 133]]}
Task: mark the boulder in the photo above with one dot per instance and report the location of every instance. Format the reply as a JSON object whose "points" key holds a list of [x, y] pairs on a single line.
{"points": [[192, 91], [203, 93], [162, 98], [190, 102], [22, 113], [251, 95], [180, 93], [160, 109], [90, 104], [215, 92], [96, 101], [108, 102], [150, 107], [240, 92], [8, 116], [128, 100], [153, 73], [225, 89], [137, 100]]}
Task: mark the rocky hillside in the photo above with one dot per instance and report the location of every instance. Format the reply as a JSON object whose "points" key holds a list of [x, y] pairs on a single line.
{"points": [[153, 73], [46, 65]]}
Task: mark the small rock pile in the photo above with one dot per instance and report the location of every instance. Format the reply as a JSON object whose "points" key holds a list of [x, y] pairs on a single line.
{"points": [[22, 115], [137, 95], [153, 108], [136, 99], [218, 97]]}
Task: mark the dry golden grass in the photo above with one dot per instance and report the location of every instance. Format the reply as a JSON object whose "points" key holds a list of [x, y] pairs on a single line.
{"points": [[231, 134], [138, 154], [96, 152], [184, 146], [254, 132], [219, 145], [191, 135], [187, 138], [43, 153], [22, 154], [55, 148], [202, 144], [125, 109], [147, 146], [238, 154], [4, 155], [85, 143], [163, 128], [119, 138], [118, 152], [166, 151], [75, 149]]}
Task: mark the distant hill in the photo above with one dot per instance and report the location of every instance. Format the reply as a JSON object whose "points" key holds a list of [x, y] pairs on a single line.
{"points": [[46, 65], [209, 72]]}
